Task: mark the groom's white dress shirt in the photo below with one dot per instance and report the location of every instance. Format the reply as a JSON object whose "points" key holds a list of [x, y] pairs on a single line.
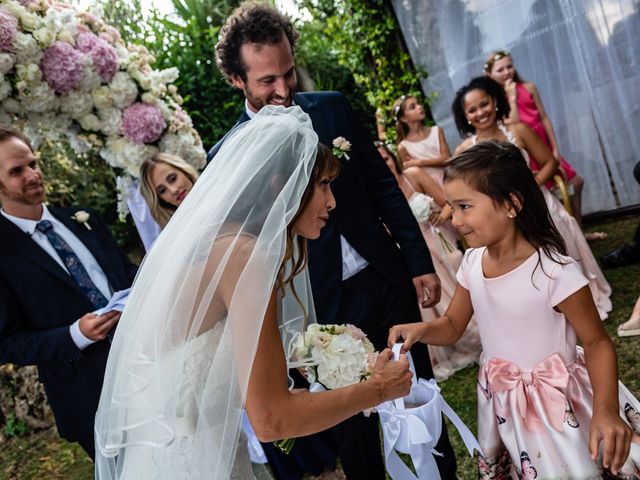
{"points": [[352, 261], [84, 255]]}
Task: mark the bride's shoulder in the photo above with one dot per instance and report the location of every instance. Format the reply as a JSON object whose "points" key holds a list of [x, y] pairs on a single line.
{"points": [[237, 245]]}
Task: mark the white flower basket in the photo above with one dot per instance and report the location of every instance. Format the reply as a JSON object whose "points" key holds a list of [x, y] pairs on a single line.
{"points": [[413, 424]]}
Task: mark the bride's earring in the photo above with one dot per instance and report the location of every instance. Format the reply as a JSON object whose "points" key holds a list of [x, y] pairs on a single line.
{"points": [[469, 122], [496, 108]]}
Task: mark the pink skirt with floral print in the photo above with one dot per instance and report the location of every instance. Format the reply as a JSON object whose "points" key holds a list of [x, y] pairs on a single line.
{"points": [[550, 443]]}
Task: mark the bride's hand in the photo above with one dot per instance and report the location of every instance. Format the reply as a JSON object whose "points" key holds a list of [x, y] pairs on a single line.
{"points": [[392, 377]]}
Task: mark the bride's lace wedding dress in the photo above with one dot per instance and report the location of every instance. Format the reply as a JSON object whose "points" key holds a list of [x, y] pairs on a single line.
{"points": [[185, 370]]}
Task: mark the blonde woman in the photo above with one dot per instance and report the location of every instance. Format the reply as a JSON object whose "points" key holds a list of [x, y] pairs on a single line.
{"points": [[165, 181]]}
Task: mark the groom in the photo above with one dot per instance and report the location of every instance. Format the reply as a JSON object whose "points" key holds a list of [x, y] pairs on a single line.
{"points": [[370, 262]]}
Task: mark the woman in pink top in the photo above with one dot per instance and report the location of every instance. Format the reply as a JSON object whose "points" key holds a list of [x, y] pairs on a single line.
{"points": [[526, 106], [419, 145], [546, 407]]}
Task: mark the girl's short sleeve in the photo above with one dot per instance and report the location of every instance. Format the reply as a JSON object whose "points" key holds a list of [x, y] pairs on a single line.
{"points": [[565, 280], [465, 266]]}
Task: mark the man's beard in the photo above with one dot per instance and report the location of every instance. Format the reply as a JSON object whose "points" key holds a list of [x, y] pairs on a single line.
{"points": [[258, 103], [27, 196]]}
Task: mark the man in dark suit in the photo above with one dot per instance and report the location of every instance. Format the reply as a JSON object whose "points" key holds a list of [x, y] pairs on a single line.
{"points": [[57, 265], [370, 266]]}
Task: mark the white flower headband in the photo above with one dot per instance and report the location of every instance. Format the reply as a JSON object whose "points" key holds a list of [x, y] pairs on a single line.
{"points": [[496, 56], [396, 108]]}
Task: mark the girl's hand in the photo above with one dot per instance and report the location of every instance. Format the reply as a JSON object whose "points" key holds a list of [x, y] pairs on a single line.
{"points": [[437, 218], [409, 332], [608, 427], [510, 89]]}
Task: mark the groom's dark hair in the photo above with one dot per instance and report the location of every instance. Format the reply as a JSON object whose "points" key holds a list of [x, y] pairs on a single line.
{"points": [[251, 22]]}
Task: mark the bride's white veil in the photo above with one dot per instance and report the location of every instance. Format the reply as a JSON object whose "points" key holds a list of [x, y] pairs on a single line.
{"points": [[180, 360]]}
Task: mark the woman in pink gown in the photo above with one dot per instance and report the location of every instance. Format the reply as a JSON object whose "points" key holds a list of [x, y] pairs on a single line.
{"points": [[426, 199]]}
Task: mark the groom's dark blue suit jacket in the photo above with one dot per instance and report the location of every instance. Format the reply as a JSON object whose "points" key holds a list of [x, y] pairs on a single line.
{"points": [[38, 302], [368, 199]]}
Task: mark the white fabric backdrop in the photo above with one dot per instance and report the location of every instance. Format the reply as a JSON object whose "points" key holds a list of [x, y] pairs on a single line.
{"points": [[583, 55]]}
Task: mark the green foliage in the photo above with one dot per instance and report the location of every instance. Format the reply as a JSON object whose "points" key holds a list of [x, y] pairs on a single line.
{"points": [[365, 38], [317, 55], [14, 427]]}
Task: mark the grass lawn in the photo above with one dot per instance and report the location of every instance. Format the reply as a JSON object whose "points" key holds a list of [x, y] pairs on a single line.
{"points": [[45, 455]]}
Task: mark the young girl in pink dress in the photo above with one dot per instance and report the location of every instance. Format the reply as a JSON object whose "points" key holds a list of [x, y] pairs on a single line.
{"points": [[526, 107], [546, 408], [419, 145]]}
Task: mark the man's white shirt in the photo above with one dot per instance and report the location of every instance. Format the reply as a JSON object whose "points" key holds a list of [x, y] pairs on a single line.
{"points": [[86, 258], [352, 261]]}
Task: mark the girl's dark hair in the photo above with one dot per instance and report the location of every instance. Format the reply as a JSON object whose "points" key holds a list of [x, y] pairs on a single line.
{"points": [[396, 161], [499, 171], [491, 88], [499, 55]]}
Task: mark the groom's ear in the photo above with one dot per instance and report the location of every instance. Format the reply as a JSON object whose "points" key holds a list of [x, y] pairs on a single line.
{"points": [[237, 81]]}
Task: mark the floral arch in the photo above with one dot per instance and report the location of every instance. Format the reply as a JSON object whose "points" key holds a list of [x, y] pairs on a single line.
{"points": [[68, 73]]}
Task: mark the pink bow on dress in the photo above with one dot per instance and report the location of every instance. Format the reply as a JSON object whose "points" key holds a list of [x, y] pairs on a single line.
{"points": [[548, 379]]}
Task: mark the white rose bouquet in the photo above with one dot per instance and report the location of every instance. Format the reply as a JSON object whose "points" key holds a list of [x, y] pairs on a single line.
{"points": [[333, 356], [336, 355]]}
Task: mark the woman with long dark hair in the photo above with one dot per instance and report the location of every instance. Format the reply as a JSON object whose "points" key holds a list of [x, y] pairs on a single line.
{"points": [[218, 301]]}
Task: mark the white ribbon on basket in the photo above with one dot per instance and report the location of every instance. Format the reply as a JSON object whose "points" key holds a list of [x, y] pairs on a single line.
{"points": [[415, 430]]}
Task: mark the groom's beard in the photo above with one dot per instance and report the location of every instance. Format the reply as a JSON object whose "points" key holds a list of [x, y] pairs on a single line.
{"points": [[258, 102]]}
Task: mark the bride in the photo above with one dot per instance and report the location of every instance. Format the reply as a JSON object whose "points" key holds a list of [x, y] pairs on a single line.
{"points": [[223, 289]]}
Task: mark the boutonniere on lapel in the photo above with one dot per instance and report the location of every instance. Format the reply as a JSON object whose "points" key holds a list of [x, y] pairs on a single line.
{"points": [[82, 218], [340, 147]]}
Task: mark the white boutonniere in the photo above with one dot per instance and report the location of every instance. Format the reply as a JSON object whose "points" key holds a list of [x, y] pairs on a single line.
{"points": [[82, 218], [340, 147]]}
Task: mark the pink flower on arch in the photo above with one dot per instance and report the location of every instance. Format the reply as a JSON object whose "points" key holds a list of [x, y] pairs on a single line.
{"points": [[143, 123], [62, 67], [105, 59], [8, 30]]}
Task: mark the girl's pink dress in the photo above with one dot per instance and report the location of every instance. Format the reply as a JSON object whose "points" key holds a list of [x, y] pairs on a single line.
{"points": [[530, 115], [426, 149], [535, 400]]}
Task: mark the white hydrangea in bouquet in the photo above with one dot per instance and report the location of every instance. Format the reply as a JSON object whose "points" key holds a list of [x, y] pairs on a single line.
{"points": [[332, 356], [335, 356], [68, 72]]}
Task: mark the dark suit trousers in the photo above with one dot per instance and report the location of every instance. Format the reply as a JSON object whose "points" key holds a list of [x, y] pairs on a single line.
{"points": [[374, 304]]}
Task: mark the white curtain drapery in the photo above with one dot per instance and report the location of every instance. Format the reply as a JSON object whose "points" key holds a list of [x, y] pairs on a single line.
{"points": [[582, 55]]}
